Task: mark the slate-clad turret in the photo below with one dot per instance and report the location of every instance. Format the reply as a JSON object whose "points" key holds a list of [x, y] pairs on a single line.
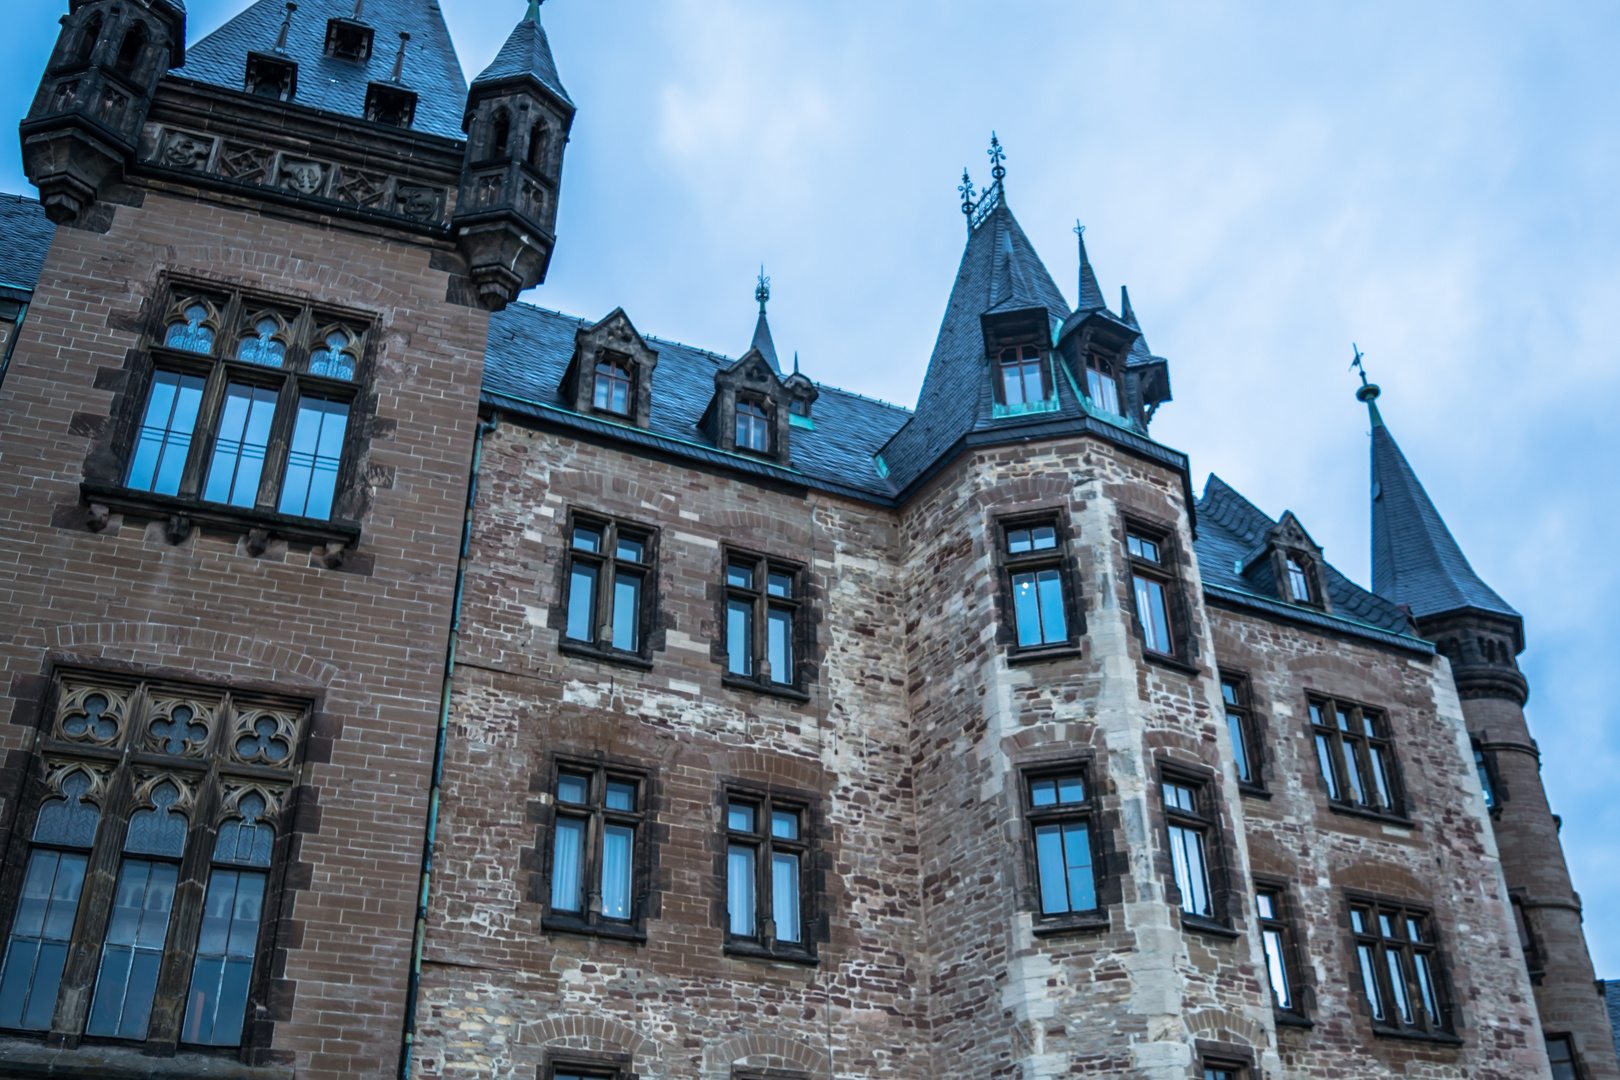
{"points": [[1418, 564], [86, 119], [517, 121]]}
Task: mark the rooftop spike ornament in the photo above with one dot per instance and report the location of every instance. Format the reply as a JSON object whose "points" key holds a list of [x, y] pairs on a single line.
{"points": [[968, 194], [1369, 390], [763, 292], [534, 10], [978, 211], [399, 61]]}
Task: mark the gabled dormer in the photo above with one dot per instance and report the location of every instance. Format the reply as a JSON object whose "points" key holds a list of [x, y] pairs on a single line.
{"points": [[1017, 347], [1096, 346], [610, 375], [802, 394], [752, 406], [1289, 564]]}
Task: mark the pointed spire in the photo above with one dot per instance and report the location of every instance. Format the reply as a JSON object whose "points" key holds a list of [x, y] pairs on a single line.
{"points": [[1369, 391], [1416, 561], [795, 361], [1125, 313], [526, 53], [762, 329], [1091, 297], [534, 10]]}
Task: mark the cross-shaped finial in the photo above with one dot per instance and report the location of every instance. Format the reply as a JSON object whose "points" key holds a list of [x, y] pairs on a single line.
{"points": [[1355, 365], [1079, 229], [763, 293], [998, 171]]}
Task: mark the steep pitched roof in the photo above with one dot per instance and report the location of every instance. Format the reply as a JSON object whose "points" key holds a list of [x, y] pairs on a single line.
{"points": [[431, 67], [25, 237], [1415, 559], [1091, 297], [1000, 271], [526, 53], [530, 348], [762, 341], [1611, 997], [1230, 527]]}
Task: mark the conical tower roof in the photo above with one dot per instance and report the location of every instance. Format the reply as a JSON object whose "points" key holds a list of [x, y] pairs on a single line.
{"points": [[762, 341], [1416, 561], [1091, 297], [337, 85], [526, 55]]}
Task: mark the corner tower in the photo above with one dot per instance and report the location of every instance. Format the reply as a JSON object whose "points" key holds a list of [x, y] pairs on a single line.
{"points": [[1418, 564]]}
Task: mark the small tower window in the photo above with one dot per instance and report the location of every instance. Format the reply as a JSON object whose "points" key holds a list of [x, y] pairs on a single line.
{"points": [[1021, 379], [537, 147], [88, 38], [613, 389], [1299, 582], [1101, 384], [391, 105], [753, 427], [129, 53], [500, 134]]}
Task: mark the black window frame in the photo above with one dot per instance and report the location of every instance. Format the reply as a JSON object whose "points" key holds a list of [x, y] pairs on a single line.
{"points": [[1058, 559], [1368, 752], [1205, 819], [1573, 1059], [1243, 722], [233, 315], [761, 603], [155, 746], [586, 1064], [1307, 572], [1221, 1068], [1490, 779], [1023, 354], [765, 420], [1088, 812], [597, 816], [1166, 572], [1385, 1014], [608, 566], [627, 369], [763, 943], [1284, 922]]}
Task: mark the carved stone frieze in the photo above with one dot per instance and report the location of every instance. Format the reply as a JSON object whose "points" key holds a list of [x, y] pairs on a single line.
{"points": [[301, 175], [244, 162]]}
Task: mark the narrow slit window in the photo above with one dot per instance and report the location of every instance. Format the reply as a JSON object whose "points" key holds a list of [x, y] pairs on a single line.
{"points": [[1151, 578], [1299, 583], [1276, 937], [1240, 727]]}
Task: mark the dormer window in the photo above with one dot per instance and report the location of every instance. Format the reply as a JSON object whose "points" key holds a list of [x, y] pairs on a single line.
{"points": [[612, 387], [1101, 384], [348, 40], [1299, 583], [1022, 381], [753, 427], [391, 105], [271, 77]]}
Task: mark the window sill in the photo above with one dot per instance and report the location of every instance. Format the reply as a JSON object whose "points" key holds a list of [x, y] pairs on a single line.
{"points": [[28, 1058], [1201, 925], [606, 656], [1095, 922], [1167, 661], [1438, 1038], [562, 924], [746, 951], [1398, 820], [237, 519], [787, 693], [1035, 654], [1253, 791], [1293, 1020]]}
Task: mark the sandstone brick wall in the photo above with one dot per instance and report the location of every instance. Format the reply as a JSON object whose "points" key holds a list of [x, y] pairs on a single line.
{"points": [[367, 643]]}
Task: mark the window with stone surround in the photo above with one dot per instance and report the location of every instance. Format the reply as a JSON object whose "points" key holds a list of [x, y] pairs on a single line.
{"points": [[1280, 942], [1042, 609], [1243, 728], [1022, 381], [1561, 1055], [242, 407], [597, 881], [1355, 758], [611, 588], [765, 625], [154, 824], [1060, 814], [1155, 608], [1398, 967], [767, 843], [585, 1065], [1197, 880]]}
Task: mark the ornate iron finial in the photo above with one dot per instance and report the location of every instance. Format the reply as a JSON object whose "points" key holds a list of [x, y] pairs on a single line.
{"points": [[998, 171], [795, 361], [763, 293], [1369, 391], [1079, 230], [399, 61], [286, 27], [967, 193]]}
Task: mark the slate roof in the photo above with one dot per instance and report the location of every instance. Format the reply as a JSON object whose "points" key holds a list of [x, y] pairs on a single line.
{"points": [[1415, 559], [1611, 997], [1230, 528], [529, 350], [526, 53], [25, 237], [762, 341], [431, 67]]}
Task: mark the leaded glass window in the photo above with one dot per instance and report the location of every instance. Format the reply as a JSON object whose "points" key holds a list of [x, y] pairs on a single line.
{"points": [[154, 754]]}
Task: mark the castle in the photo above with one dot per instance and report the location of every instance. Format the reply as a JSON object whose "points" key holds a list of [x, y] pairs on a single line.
{"points": [[403, 680]]}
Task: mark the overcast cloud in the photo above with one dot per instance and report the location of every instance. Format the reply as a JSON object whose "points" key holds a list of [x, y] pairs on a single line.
{"points": [[1436, 182]]}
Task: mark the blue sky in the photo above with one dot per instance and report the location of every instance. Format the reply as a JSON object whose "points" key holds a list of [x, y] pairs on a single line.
{"points": [[1436, 182]]}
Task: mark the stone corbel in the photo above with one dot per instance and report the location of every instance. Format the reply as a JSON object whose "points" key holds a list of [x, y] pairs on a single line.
{"points": [[327, 557], [98, 518], [177, 530], [257, 541]]}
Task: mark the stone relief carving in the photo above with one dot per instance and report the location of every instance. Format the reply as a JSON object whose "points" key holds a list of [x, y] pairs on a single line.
{"points": [[183, 150], [304, 177], [250, 163], [421, 203]]}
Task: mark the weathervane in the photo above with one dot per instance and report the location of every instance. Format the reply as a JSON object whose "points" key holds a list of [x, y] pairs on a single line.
{"points": [[763, 293], [1369, 390]]}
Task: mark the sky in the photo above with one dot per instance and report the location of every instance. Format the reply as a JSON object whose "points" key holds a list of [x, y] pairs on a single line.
{"points": [[1435, 182]]}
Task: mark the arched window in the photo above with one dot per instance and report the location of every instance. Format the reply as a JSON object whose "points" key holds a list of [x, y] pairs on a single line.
{"points": [[129, 53], [612, 387], [753, 427], [1101, 384], [500, 134], [1021, 379], [537, 147], [88, 38]]}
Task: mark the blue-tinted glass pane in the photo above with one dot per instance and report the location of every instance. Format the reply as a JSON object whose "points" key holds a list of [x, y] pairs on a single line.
{"points": [[627, 612], [333, 361], [582, 602], [259, 348], [165, 435], [1012, 386], [1027, 609], [741, 577], [39, 936], [740, 890], [244, 433], [1071, 790], [217, 1002], [1054, 877], [1324, 758], [1033, 391], [1044, 537], [157, 831], [779, 584], [587, 539], [785, 896], [1018, 541], [1043, 792], [314, 458], [572, 789], [1150, 610], [618, 844], [740, 637], [191, 335], [565, 864], [70, 821], [1054, 624], [781, 646], [785, 824], [1240, 752], [1077, 861], [631, 550], [132, 950], [621, 796], [740, 818]]}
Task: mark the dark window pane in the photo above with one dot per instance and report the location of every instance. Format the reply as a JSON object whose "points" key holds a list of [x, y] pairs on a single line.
{"points": [[587, 539], [1240, 751], [1229, 693], [314, 457], [1298, 584], [217, 1003], [1562, 1056], [780, 632], [166, 431], [133, 948], [779, 584], [582, 602], [1044, 538], [1324, 759], [157, 831], [740, 637], [244, 434], [627, 612], [40, 933], [1018, 541]]}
